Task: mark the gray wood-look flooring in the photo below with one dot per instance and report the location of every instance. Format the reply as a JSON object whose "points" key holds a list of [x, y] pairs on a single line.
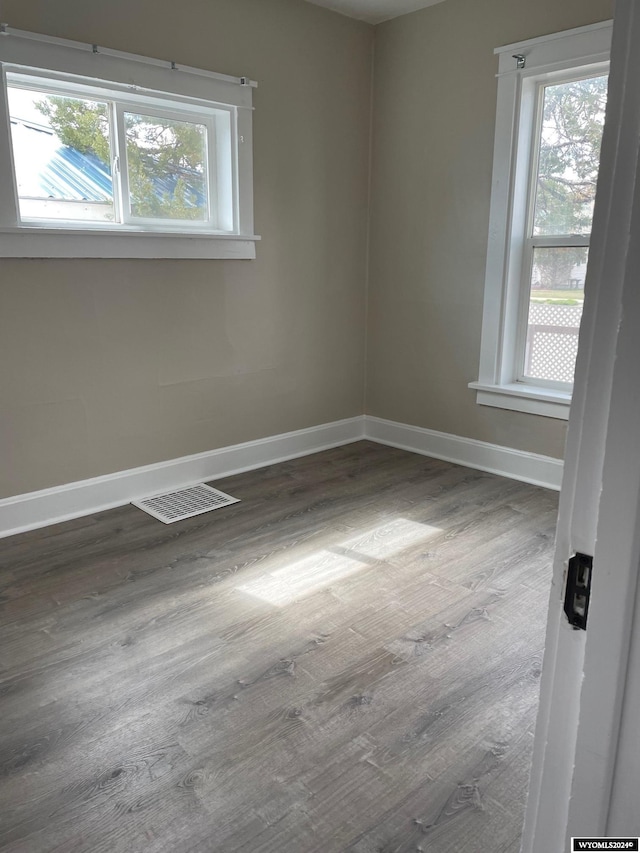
{"points": [[348, 660]]}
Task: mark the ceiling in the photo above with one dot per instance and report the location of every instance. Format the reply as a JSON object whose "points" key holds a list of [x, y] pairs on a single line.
{"points": [[374, 11]]}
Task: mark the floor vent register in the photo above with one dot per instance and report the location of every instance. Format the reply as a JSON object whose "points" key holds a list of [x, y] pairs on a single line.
{"points": [[184, 503]]}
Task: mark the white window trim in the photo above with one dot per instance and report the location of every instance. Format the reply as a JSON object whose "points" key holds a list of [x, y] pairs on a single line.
{"points": [[497, 384], [137, 78]]}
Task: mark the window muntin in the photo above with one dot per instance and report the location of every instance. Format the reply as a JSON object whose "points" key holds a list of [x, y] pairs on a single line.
{"points": [[565, 156]]}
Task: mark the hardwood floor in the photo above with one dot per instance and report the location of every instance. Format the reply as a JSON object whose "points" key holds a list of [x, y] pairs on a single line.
{"points": [[347, 660]]}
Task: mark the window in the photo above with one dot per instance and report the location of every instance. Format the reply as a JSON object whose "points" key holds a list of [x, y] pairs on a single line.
{"points": [[551, 105], [103, 153]]}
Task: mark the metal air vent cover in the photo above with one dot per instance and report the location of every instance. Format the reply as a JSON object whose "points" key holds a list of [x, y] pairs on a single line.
{"points": [[184, 503]]}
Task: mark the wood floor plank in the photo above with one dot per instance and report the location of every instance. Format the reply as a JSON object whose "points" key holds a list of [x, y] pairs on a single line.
{"points": [[348, 659]]}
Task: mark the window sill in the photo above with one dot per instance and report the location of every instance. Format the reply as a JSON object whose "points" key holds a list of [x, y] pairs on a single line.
{"points": [[524, 398], [38, 242]]}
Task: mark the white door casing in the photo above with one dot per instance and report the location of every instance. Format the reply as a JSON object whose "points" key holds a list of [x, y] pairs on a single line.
{"points": [[576, 786]]}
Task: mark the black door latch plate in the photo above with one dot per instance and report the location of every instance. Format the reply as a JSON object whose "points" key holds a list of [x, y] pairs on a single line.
{"points": [[578, 591]]}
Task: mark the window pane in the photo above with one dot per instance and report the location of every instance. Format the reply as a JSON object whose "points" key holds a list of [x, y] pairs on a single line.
{"points": [[166, 166], [61, 156], [555, 311], [572, 121]]}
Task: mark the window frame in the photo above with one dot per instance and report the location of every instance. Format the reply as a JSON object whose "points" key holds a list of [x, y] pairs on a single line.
{"points": [[151, 87], [581, 52], [211, 223]]}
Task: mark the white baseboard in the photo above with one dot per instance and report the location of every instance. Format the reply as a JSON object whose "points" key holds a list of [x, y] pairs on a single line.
{"points": [[73, 500], [516, 464]]}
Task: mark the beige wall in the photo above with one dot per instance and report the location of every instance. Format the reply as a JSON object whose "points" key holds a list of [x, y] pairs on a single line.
{"points": [[106, 365], [434, 113]]}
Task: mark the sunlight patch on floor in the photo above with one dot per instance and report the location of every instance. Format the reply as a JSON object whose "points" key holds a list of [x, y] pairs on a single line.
{"points": [[388, 539], [285, 585]]}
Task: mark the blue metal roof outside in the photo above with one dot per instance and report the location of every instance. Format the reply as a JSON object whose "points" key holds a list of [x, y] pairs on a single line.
{"points": [[47, 169]]}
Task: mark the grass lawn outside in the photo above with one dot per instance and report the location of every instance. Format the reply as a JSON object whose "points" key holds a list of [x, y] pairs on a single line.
{"points": [[558, 297]]}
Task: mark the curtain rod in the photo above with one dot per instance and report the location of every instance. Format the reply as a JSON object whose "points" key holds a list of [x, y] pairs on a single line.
{"points": [[6, 30]]}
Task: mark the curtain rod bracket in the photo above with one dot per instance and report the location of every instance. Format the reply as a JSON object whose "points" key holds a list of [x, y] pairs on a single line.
{"points": [[521, 60]]}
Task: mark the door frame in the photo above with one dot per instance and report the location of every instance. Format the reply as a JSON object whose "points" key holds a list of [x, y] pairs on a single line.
{"points": [[585, 672]]}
